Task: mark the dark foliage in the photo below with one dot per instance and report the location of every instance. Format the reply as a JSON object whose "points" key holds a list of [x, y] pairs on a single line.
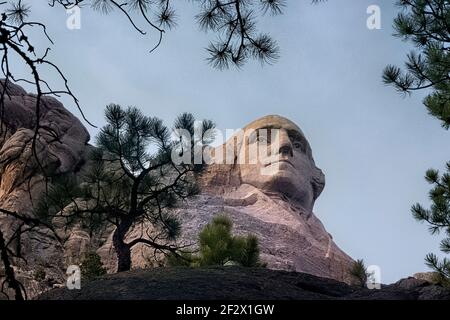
{"points": [[359, 273], [91, 266], [426, 24], [133, 181], [219, 247], [437, 217]]}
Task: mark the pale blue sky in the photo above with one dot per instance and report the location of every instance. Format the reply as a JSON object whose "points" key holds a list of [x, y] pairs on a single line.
{"points": [[372, 144]]}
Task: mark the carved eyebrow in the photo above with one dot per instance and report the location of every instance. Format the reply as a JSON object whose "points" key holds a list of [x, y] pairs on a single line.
{"points": [[293, 134], [296, 135]]}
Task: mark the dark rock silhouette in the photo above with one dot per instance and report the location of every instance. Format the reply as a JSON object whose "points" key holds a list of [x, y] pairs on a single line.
{"points": [[234, 283]]}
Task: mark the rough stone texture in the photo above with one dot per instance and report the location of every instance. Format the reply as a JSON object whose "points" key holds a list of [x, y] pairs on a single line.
{"points": [[272, 197], [289, 239], [232, 283], [61, 148], [431, 277]]}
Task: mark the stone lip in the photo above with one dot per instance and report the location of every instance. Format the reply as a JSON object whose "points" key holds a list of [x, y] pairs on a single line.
{"points": [[235, 283]]}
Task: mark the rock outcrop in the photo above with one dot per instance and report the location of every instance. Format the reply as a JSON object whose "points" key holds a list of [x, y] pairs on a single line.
{"points": [[232, 283], [60, 148], [272, 198]]}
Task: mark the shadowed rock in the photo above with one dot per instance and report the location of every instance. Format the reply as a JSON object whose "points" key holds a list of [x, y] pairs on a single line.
{"points": [[232, 283], [61, 147]]}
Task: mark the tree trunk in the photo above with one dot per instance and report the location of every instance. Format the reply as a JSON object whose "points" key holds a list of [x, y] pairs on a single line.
{"points": [[123, 250], [123, 253], [9, 271]]}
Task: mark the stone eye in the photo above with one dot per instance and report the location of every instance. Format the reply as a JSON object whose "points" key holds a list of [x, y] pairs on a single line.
{"points": [[297, 145]]}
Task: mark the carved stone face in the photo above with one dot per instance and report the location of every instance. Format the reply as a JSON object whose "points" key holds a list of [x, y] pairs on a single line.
{"points": [[283, 163]]}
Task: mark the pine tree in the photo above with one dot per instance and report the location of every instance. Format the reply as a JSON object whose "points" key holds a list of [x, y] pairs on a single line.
{"points": [[249, 256], [133, 180], [438, 217], [359, 273], [219, 247], [92, 266], [426, 24]]}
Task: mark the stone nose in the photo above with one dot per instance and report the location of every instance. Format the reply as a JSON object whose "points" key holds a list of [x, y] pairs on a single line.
{"points": [[286, 148]]}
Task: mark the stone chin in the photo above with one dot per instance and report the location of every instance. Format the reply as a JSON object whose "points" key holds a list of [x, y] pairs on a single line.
{"points": [[284, 181], [282, 184]]}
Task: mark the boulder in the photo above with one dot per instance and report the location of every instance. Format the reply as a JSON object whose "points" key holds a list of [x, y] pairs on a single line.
{"points": [[61, 146]]}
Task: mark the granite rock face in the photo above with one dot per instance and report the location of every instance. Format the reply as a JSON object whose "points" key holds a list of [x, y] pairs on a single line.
{"points": [[271, 196], [61, 147]]}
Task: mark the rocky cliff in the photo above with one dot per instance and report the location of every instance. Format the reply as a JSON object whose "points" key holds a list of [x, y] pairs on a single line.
{"points": [[276, 206], [272, 198], [61, 148]]}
